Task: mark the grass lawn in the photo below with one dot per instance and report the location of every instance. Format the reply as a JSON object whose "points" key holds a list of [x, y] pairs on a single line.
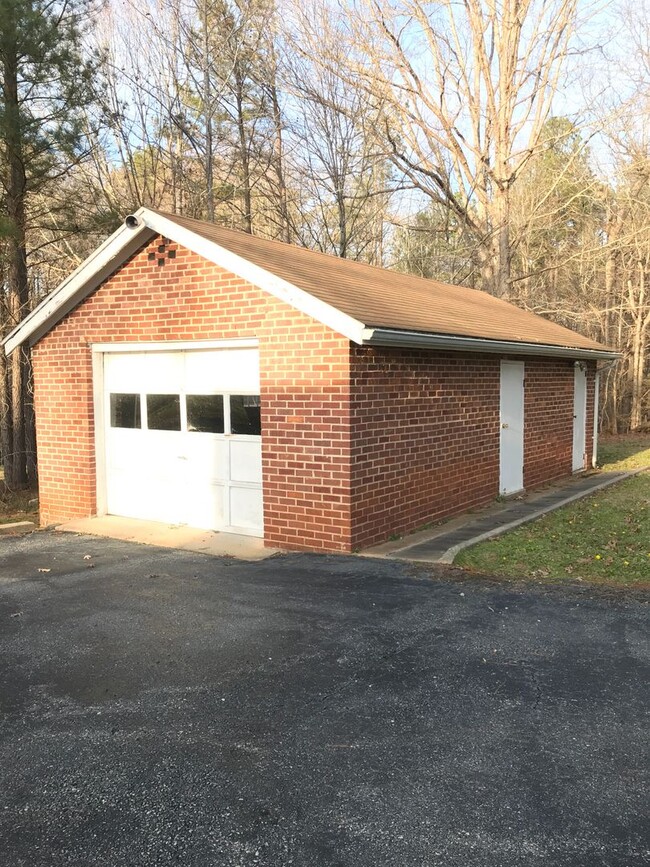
{"points": [[628, 452], [604, 538], [15, 506]]}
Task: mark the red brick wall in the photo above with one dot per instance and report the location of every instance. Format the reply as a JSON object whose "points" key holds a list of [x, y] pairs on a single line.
{"points": [[548, 419], [425, 434], [430, 420], [305, 416]]}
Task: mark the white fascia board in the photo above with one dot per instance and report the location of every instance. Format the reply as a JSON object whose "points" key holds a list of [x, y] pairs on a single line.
{"points": [[292, 295], [423, 340], [84, 280]]}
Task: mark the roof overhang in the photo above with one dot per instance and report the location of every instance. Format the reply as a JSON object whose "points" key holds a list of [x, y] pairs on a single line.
{"points": [[423, 340], [292, 295]]}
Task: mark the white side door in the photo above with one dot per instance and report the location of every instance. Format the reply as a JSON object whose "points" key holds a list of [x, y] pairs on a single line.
{"points": [[511, 462], [579, 418]]}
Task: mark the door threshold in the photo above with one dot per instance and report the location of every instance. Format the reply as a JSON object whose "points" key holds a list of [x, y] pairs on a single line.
{"points": [[513, 495]]}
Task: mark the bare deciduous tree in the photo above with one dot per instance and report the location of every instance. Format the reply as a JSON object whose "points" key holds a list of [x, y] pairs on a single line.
{"points": [[466, 87]]}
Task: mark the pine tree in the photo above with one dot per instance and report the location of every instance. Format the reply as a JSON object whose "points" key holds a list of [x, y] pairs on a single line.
{"points": [[46, 82]]}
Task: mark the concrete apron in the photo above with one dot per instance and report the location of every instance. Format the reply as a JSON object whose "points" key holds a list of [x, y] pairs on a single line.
{"points": [[441, 544], [171, 536]]}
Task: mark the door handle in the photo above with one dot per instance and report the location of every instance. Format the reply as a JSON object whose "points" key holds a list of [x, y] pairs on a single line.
{"points": [[504, 424]]}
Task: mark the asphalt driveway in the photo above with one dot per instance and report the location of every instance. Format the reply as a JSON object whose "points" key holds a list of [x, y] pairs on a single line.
{"points": [[166, 708]]}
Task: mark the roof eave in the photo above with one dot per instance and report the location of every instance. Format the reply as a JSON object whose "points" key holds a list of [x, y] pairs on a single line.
{"points": [[145, 224], [85, 279], [423, 340]]}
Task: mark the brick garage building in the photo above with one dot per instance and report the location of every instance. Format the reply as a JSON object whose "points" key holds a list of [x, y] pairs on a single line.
{"points": [[191, 374]]}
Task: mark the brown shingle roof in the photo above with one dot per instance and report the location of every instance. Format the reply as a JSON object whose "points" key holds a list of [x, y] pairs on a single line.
{"points": [[388, 299]]}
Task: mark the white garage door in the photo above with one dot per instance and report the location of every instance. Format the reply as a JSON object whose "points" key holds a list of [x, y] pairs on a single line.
{"points": [[183, 438]]}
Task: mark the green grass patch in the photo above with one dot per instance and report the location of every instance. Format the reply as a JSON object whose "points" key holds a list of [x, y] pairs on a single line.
{"points": [[603, 539], [627, 452]]}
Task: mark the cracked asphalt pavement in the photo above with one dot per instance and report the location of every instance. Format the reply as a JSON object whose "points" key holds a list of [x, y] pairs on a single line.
{"points": [[160, 707]]}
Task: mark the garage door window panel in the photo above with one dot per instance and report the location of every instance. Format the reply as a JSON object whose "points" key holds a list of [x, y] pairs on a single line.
{"points": [[205, 413], [164, 412], [245, 414], [125, 411]]}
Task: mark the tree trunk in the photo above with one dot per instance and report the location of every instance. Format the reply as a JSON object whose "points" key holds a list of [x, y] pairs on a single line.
{"points": [[278, 163], [343, 222], [613, 228], [244, 156], [6, 446], [15, 460], [636, 409], [501, 241], [487, 263], [638, 354], [30, 424], [208, 110], [494, 254], [611, 273]]}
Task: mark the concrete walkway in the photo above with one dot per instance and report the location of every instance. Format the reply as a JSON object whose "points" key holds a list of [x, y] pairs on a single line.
{"points": [[441, 544], [171, 536]]}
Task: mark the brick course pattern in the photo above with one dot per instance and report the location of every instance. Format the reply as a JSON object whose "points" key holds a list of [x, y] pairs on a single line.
{"points": [[548, 419], [357, 443], [425, 438]]}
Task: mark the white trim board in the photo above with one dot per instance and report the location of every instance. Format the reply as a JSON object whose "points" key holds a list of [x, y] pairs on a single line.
{"points": [[177, 345]]}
